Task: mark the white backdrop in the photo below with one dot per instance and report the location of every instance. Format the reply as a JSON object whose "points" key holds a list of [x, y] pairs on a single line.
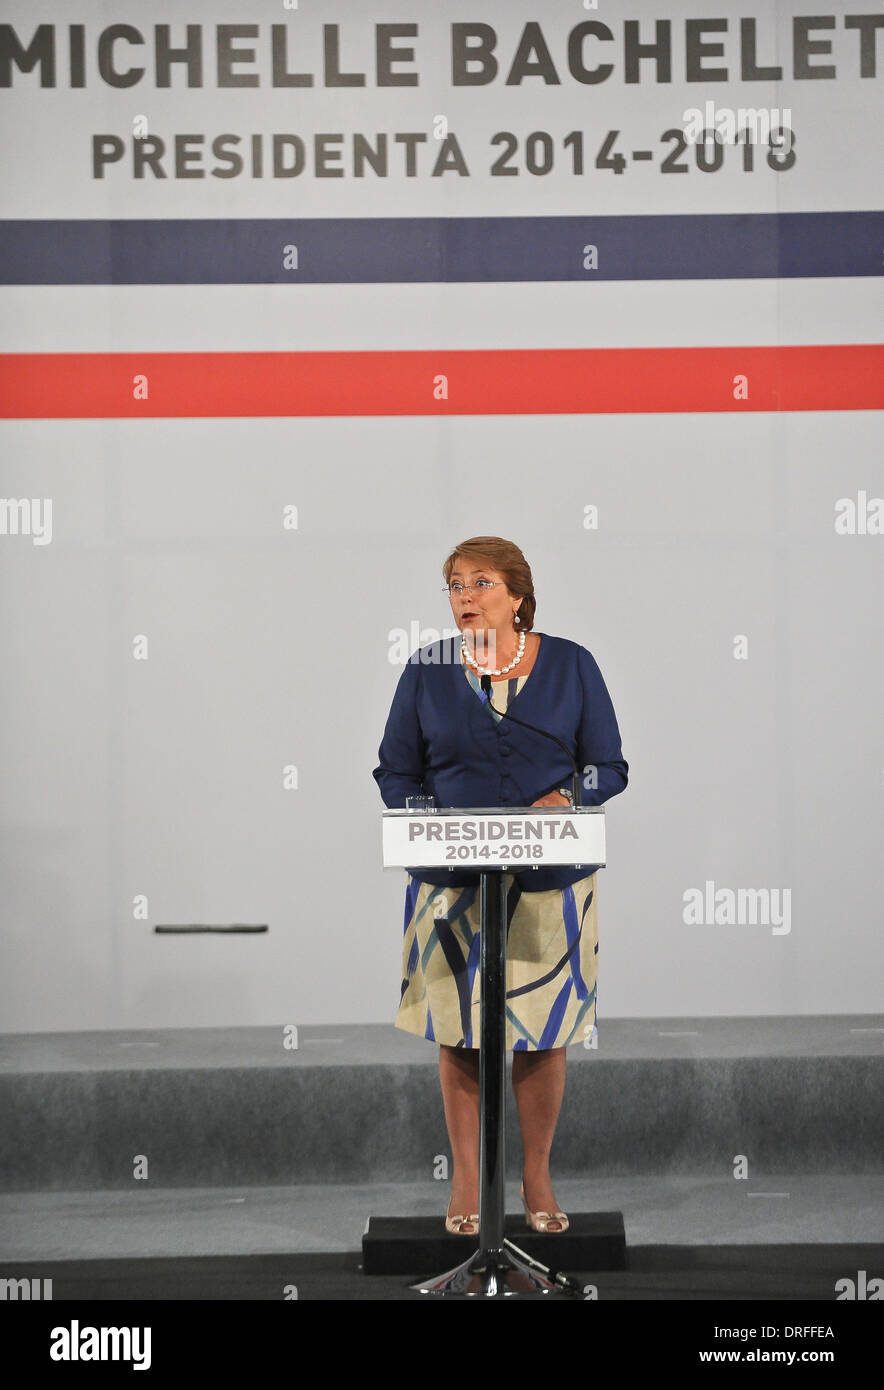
{"points": [[735, 618]]}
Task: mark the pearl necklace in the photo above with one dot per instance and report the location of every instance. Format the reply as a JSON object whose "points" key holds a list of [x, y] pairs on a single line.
{"points": [[503, 669]]}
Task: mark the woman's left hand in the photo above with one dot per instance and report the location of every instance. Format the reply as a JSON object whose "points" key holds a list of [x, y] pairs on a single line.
{"points": [[552, 799]]}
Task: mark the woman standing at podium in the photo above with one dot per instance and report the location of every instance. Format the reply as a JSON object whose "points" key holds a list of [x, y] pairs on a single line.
{"points": [[444, 740]]}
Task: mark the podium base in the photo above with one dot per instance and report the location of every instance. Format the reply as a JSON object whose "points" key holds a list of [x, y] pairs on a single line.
{"points": [[492, 1274], [411, 1245]]}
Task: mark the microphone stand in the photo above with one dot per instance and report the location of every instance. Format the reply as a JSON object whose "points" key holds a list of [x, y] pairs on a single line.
{"points": [[505, 714]]}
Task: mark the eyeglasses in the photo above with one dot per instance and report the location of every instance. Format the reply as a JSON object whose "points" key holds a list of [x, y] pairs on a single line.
{"points": [[483, 585]]}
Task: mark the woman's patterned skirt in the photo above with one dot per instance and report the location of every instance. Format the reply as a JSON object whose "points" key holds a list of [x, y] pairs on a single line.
{"points": [[551, 965]]}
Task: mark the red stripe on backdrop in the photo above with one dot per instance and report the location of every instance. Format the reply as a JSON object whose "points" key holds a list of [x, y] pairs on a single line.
{"points": [[104, 385]]}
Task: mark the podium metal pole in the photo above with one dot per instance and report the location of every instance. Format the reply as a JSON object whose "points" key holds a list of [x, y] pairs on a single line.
{"points": [[493, 1271], [492, 1061]]}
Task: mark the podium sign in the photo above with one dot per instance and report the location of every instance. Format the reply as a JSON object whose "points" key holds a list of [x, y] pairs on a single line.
{"points": [[512, 837]]}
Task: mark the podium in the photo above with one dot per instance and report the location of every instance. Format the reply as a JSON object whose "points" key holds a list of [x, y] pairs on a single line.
{"points": [[493, 841]]}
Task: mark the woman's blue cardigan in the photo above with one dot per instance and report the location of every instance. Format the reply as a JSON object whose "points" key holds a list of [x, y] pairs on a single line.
{"points": [[442, 740]]}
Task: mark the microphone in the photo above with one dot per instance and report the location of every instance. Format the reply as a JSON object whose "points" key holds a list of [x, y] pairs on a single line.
{"points": [[505, 714]]}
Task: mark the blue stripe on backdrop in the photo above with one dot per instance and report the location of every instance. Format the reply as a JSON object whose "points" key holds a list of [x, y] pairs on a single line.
{"points": [[398, 250]]}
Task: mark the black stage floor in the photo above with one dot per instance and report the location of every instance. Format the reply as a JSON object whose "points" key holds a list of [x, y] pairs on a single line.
{"points": [[754, 1273]]}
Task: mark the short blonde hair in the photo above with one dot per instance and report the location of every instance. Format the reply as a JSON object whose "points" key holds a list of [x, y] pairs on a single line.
{"points": [[506, 559]]}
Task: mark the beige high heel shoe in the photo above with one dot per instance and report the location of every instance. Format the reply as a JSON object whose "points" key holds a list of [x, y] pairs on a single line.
{"points": [[539, 1220], [455, 1224]]}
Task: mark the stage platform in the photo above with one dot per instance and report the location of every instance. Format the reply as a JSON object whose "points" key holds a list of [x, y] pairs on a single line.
{"points": [[262, 1160], [234, 1106]]}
